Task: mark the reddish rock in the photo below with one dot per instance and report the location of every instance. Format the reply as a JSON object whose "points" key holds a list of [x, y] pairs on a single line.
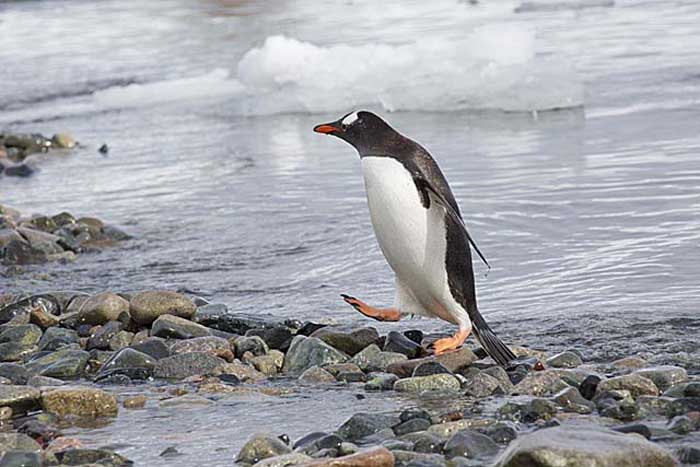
{"points": [[372, 457]]}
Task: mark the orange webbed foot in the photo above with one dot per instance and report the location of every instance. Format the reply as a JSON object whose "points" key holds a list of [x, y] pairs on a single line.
{"points": [[380, 314], [448, 344]]}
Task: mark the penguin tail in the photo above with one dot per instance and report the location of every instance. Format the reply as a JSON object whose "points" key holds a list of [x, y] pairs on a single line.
{"points": [[493, 346]]}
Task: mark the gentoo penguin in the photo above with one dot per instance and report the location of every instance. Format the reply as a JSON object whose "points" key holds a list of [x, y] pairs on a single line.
{"points": [[420, 231]]}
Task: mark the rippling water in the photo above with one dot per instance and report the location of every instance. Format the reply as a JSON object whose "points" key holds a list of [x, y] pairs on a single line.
{"points": [[590, 215]]}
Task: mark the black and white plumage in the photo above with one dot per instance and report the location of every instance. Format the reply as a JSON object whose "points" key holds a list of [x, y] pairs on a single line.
{"points": [[420, 231]]}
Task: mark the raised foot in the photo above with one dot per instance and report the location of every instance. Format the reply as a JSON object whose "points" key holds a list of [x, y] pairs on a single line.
{"points": [[449, 344], [380, 314]]}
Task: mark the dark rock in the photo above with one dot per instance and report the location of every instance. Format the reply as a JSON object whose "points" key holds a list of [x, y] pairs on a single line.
{"points": [[25, 334], [517, 374], [480, 385], [416, 335], [589, 386], [55, 338], [306, 352], [216, 346], [362, 425], [20, 399], [253, 344], [425, 442], [23, 169], [21, 252], [639, 428], [278, 337], [217, 316], [351, 377], [14, 351], [692, 390], [684, 405], [653, 406], [681, 425], [154, 347], [104, 149], [430, 368], [20, 459], [689, 455], [170, 326], [470, 444], [61, 364], [36, 429], [572, 401], [397, 342], [128, 358], [349, 342], [17, 374], [624, 410], [309, 328], [102, 457], [540, 383], [583, 445], [501, 432], [411, 426], [453, 361], [309, 439], [414, 413], [146, 307], [102, 335], [185, 365], [371, 358]]}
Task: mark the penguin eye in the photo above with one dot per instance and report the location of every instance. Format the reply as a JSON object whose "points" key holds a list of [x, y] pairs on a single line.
{"points": [[343, 126]]}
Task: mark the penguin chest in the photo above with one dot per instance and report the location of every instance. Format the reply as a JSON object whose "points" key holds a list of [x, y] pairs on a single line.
{"points": [[411, 237]]}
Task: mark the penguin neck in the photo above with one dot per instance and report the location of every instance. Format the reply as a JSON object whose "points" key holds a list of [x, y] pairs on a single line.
{"points": [[390, 145]]}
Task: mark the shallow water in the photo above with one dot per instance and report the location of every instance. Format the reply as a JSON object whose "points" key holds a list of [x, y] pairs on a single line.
{"points": [[589, 215]]}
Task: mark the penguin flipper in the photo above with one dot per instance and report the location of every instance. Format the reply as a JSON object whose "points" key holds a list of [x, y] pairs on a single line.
{"points": [[454, 215]]}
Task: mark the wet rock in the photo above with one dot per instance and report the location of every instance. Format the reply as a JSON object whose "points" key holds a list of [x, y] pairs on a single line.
{"points": [[79, 402], [18, 442], [681, 425], [653, 406], [430, 368], [664, 376], [316, 374], [567, 359], [55, 338], [170, 326], [104, 307], [689, 455], [20, 399], [362, 425], [253, 344], [102, 335], [14, 352], [428, 383], [351, 377], [216, 346], [17, 374], [285, 460], [501, 432], [62, 364], [135, 402], [26, 334], [636, 384], [571, 400], [371, 358], [684, 405], [425, 442], [589, 386], [370, 457], [186, 365], [24, 169], [620, 409], [629, 363], [399, 343], [153, 346], [583, 445], [470, 444], [120, 340], [411, 426], [306, 352], [638, 428], [351, 342], [381, 382], [502, 378], [241, 371], [146, 307], [277, 338], [102, 457], [186, 400], [453, 361], [128, 358], [20, 252], [43, 319], [481, 385], [217, 316], [63, 141], [261, 446], [269, 364], [540, 383]]}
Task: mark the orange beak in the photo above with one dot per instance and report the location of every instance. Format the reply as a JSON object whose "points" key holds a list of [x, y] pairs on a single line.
{"points": [[326, 128]]}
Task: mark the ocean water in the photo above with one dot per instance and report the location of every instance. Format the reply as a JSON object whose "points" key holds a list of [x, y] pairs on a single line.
{"points": [[567, 129]]}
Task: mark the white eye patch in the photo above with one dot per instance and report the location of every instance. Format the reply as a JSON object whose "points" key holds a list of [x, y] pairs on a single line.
{"points": [[350, 119]]}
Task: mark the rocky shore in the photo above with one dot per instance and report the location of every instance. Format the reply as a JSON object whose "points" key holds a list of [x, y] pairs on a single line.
{"points": [[63, 353], [16, 149], [39, 238]]}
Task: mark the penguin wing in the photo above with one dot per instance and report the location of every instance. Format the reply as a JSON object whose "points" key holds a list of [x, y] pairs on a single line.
{"points": [[426, 187]]}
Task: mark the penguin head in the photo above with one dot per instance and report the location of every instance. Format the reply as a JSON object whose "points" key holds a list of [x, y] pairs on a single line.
{"points": [[364, 130]]}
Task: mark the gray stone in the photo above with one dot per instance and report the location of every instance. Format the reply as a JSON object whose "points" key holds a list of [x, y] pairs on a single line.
{"points": [[689, 455], [128, 358], [470, 444], [306, 352], [17, 374], [153, 346], [170, 326], [411, 426], [425, 442], [25, 334], [38, 381], [316, 374], [501, 432], [241, 371], [20, 399], [284, 460], [269, 364], [120, 340], [571, 400], [217, 316], [653, 406], [381, 382], [430, 368], [101, 457], [371, 358], [21, 459], [55, 338], [664, 376], [397, 342], [453, 361], [217, 346], [350, 342], [502, 378], [18, 442], [481, 385], [277, 338], [187, 364], [102, 335], [14, 351], [540, 383], [261, 446], [253, 344], [639, 428], [576, 444], [61, 364], [146, 307], [104, 307], [428, 383], [636, 384], [567, 359], [79, 402], [362, 425]]}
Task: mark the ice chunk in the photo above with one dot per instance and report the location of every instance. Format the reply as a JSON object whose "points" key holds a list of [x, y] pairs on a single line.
{"points": [[550, 5]]}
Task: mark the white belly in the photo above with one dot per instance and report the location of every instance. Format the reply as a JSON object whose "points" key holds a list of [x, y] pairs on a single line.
{"points": [[411, 237]]}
